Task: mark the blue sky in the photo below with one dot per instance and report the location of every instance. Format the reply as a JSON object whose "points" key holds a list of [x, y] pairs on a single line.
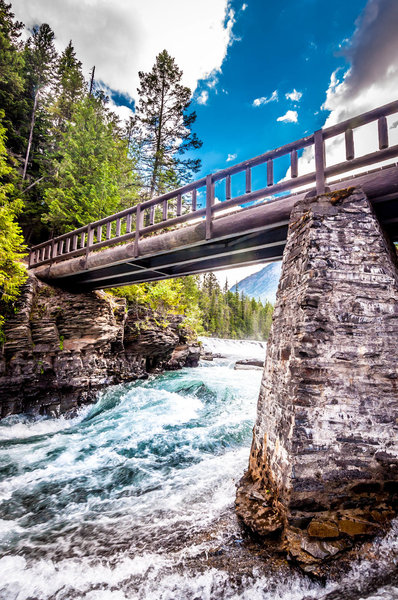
{"points": [[296, 47], [262, 72]]}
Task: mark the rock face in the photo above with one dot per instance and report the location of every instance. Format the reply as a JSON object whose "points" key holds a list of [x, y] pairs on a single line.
{"points": [[249, 363], [323, 467], [61, 348]]}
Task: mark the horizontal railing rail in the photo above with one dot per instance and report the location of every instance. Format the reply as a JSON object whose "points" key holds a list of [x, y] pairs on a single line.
{"points": [[160, 213]]}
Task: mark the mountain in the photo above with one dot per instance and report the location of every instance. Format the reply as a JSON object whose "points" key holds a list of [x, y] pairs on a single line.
{"points": [[263, 284]]}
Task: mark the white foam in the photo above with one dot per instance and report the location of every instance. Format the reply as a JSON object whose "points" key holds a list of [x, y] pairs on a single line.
{"points": [[133, 429], [152, 574], [34, 428], [235, 348]]}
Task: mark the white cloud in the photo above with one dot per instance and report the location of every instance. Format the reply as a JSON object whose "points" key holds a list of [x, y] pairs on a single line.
{"points": [[203, 97], [265, 100], [122, 37], [289, 117], [370, 81], [212, 78], [231, 157], [123, 112], [244, 6], [295, 96]]}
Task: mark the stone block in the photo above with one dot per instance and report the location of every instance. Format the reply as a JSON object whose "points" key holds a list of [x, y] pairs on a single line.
{"points": [[325, 442]]}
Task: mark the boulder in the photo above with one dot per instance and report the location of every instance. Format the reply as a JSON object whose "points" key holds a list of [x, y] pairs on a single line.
{"points": [[249, 363]]}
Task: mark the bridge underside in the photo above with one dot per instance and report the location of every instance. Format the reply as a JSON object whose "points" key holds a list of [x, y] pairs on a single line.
{"points": [[253, 235]]}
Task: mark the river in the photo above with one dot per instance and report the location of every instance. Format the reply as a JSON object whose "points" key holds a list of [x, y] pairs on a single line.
{"points": [[133, 498]]}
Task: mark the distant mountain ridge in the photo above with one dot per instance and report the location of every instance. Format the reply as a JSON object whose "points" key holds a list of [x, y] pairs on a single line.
{"points": [[261, 285]]}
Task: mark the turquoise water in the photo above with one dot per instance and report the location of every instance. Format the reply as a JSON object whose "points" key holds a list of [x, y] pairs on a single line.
{"points": [[134, 497]]}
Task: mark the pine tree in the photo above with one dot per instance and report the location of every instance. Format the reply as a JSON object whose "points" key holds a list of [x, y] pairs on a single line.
{"points": [[94, 176], [164, 126], [69, 88], [232, 314], [40, 59], [12, 100]]}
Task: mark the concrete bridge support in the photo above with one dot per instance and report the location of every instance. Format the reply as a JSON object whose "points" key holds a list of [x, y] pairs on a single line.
{"points": [[323, 467]]}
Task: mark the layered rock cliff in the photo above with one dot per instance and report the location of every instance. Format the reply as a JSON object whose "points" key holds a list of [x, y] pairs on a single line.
{"points": [[61, 348], [323, 469]]}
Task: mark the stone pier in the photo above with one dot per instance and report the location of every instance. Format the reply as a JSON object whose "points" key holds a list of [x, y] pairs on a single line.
{"points": [[323, 468]]}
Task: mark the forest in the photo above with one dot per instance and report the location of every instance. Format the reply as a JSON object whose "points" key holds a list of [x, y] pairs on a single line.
{"points": [[66, 159]]}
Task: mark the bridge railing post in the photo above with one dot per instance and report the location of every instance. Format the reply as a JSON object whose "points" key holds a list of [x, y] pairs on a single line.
{"points": [[319, 161], [88, 241], [53, 251], [139, 223], [209, 205]]}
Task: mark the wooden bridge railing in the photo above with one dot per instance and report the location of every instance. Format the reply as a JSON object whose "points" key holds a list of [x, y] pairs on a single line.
{"points": [[155, 214]]}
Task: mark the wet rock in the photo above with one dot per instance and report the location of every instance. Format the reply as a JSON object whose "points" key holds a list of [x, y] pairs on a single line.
{"points": [[323, 529], [356, 527], [249, 363], [61, 348], [256, 510], [306, 550], [186, 355], [314, 548], [207, 356]]}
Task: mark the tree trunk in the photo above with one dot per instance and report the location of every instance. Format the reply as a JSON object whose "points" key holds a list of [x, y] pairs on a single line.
{"points": [[158, 140], [32, 124]]}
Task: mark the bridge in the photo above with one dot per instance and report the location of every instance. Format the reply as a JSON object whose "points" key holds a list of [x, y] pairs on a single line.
{"points": [[203, 226]]}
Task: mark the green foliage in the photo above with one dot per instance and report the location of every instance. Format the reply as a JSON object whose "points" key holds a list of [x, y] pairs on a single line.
{"points": [[94, 174], [12, 272], [11, 75], [40, 59], [75, 163], [233, 315], [169, 296], [207, 309], [163, 126], [70, 88]]}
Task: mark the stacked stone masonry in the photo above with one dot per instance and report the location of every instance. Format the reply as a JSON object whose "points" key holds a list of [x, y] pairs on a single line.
{"points": [[323, 467]]}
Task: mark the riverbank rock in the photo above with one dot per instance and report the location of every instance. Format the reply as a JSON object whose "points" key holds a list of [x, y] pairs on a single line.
{"points": [[324, 456], [61, 348], [207, 356], [249, 363]]}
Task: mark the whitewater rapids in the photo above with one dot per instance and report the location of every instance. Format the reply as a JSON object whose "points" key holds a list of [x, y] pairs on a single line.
{"points": [[133, 498]]}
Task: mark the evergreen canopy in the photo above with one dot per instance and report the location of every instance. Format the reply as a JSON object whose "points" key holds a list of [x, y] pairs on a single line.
{"points": [[163, 126]]}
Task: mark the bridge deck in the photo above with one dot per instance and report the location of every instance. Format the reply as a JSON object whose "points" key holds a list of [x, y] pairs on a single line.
{"points": [[122, 248], [256, 234]]}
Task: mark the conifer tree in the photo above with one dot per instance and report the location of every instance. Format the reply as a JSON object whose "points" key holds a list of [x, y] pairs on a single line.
{"points": [[69, 87], [94, 175], [40, 58], [232, 314], [163, 126], [11, 77]]}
